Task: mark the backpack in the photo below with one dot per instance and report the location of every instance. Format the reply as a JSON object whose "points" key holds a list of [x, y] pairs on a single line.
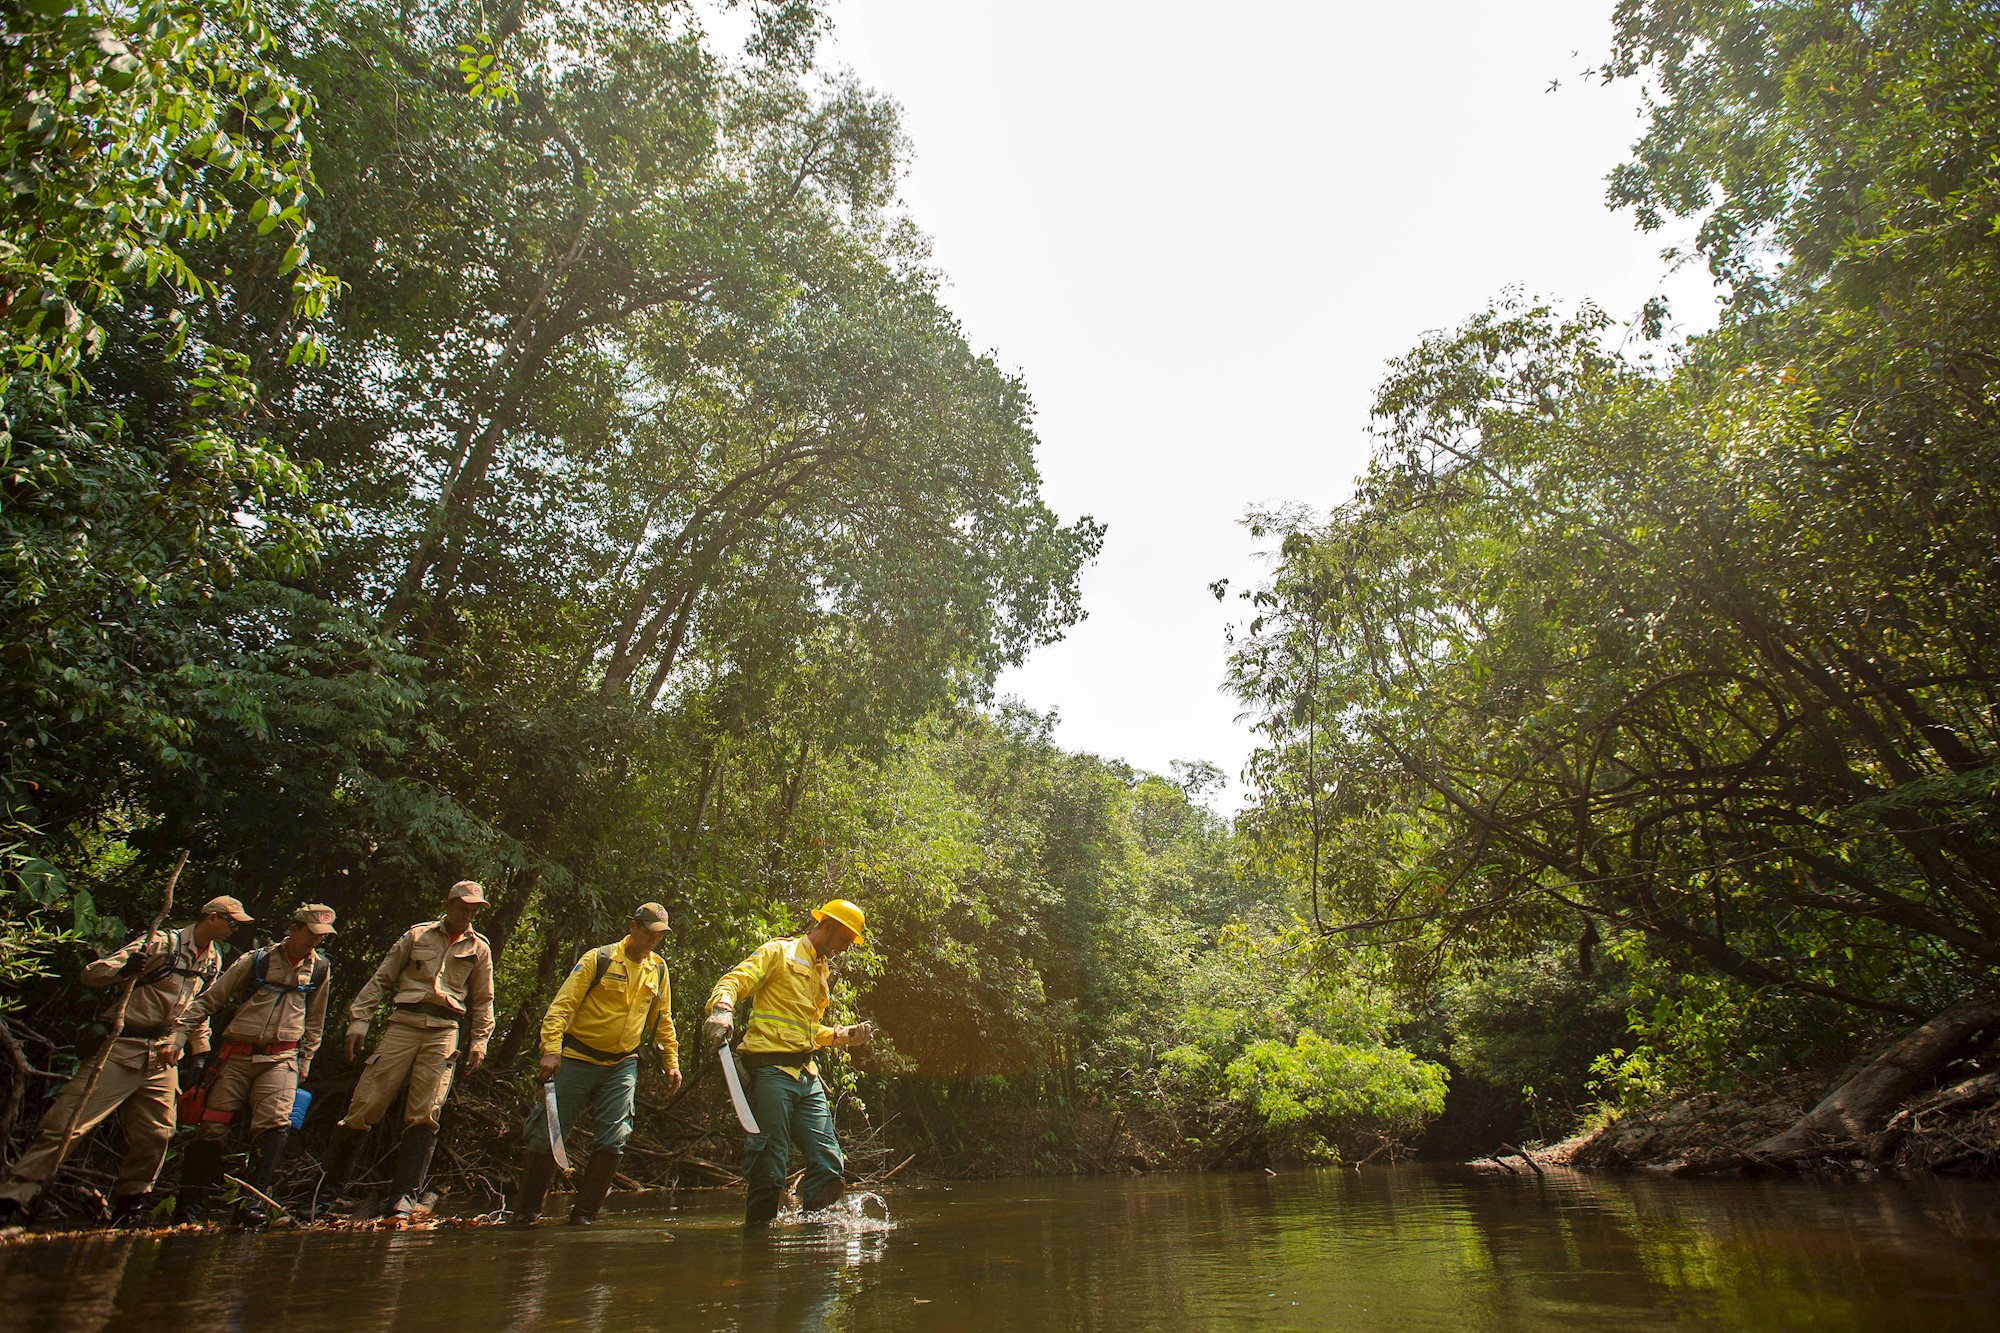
{"points": [[263, 956], [603, 954]]}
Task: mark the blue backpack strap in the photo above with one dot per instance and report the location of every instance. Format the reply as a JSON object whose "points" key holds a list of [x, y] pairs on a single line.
{"points": [[318, 974]]}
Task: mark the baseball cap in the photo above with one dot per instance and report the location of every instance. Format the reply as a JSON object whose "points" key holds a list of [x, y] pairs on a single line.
{"points": [[224, 905], [316, 917]]}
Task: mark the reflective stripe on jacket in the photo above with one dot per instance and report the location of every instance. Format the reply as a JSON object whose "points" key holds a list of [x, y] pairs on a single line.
{"points": [[786, 981], [611, 1016]]}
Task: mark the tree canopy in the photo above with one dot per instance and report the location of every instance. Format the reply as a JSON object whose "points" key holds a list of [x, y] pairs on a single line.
{"points": [[1688, 652]]}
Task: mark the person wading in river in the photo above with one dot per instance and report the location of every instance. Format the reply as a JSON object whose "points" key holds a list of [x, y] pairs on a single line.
{"points": [[140, 1078], [615, 1002], [788, 985], [265, 1053], [439, 977]]}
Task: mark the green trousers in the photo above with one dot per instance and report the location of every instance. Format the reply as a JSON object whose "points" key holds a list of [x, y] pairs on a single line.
{"points": [[789, 1110], [605, 1091]]}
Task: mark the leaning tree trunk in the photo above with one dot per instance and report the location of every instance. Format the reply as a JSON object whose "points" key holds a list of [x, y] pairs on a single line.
{"points": [[1849, 1117], [1863, 1104]]}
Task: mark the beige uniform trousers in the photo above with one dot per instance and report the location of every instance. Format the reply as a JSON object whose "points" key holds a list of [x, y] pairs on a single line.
{"points": [[265, 1082], [140, 1088], [423, 1055]]}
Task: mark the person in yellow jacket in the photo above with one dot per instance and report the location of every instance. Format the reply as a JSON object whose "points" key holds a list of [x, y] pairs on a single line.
{"points": [[787, 986], [615, 1003]]}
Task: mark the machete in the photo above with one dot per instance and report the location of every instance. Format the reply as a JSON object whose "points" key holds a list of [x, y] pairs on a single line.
{"points": [[736, 1097], [555, 1125]]}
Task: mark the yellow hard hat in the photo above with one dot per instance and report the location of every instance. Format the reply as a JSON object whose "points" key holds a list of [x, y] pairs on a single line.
{"points": [[846, 913]]}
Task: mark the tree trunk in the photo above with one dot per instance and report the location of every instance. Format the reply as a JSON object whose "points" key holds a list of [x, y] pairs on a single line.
{"points": [[1849, 1118], [17, 1087], [1863, 1104]]}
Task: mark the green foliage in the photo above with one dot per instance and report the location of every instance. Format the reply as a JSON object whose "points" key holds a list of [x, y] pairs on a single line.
{"points": [[1315, 1088], [141, 145], [637, 524], [1695, 654], [1538, 1023], [132, 134], [1281, 1050]]}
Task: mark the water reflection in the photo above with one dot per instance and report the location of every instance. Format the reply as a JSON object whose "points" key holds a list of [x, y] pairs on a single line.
{"points": [[1405, 1248]]}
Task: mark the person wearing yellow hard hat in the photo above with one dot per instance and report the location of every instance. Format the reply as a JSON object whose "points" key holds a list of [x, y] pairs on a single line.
{"points": [[787, 986]]}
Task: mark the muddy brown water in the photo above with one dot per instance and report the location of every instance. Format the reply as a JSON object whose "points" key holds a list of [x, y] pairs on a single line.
{"points": [[1400, 1248]]}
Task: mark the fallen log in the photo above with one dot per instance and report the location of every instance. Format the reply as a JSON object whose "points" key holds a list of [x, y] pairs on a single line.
{"points": [[721, 1175]]}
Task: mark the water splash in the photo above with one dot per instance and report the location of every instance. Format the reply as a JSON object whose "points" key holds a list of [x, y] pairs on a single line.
{"points": [[852, 1213], [859, 1205]]}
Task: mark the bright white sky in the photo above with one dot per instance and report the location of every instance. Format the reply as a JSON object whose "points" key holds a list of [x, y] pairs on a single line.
{"points": [[1199, 232]]}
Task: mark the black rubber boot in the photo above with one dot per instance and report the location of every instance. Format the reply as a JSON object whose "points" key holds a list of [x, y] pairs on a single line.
{"points": [[267, 1151], [537, 1174], [595, 1185], [131, 1210], [759, 1209], [340, 1155], [201, 1171], [413, 1165], [824, 1197]]}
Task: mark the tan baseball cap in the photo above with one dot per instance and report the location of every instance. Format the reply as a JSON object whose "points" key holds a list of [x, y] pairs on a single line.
{"points": [[224, 905], [316, 917], [466, 891], [653, 917]]}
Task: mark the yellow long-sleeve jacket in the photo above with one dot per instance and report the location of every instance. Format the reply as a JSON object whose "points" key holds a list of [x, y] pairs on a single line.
{"points": [[787, 982], [608, 1017]]}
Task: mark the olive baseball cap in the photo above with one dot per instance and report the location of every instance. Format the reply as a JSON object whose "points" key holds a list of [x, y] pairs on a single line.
{"points": [[224, 905], [653, 917], [467, 891], [316, 917]]}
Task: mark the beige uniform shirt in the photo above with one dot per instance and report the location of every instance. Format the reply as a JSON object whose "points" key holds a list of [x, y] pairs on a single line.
{"points": [[175, 973], [427, 966], [268, 1016]]}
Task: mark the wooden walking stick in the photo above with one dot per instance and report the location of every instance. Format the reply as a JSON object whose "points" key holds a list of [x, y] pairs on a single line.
{"points": [[117, 1026]]}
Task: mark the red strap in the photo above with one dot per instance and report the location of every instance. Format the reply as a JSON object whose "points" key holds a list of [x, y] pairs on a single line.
{"points": [[231, 1049]]}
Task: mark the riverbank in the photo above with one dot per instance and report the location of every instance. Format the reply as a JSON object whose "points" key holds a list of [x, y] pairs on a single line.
{"points": [[1952, 1130]]}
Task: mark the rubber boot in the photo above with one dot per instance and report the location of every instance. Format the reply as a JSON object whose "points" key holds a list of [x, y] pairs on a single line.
{"points": [[759, 1211], [537, 1174], [340, 1155], [267, 1150], [201, 1171], [131, 1210], [595, 1185], [413, 1164], [824, 1197]]}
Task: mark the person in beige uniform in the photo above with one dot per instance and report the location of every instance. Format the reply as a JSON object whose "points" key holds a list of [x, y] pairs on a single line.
{"points": [[439, 977], [266, 1050], [140, 1079]]}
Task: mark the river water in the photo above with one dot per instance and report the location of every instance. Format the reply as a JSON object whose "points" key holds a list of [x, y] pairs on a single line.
{"points": [[1398, 1248]]}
